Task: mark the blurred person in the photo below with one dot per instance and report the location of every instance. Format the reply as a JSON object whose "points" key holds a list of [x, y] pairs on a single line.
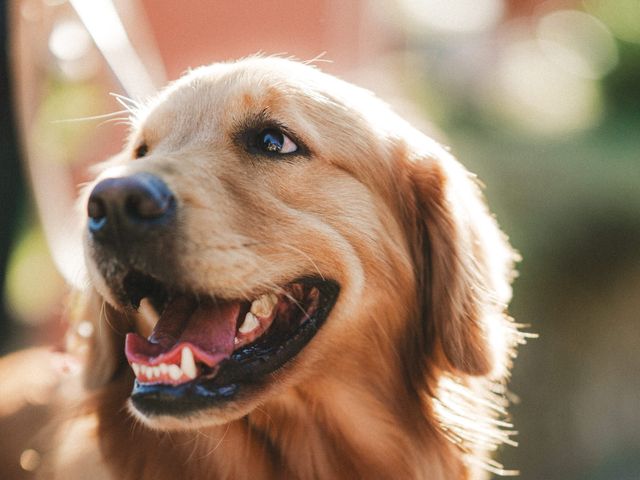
{"points": [[11, 179]]}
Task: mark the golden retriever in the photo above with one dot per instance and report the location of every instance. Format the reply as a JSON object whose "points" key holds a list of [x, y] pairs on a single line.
{"points": [[290, 281]]}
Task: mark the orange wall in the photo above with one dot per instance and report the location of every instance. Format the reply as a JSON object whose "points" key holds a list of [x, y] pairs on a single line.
{"points": [[197, 32]]}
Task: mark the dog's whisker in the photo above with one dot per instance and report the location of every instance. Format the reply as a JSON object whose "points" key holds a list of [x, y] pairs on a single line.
{"points": [[117, 121], [91, 117], [103, 318], [217, 445], [305, 255], [128, 103], [318, 59]]}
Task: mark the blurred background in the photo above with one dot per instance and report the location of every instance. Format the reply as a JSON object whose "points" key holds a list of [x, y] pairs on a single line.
{"points": [[540, 98]]}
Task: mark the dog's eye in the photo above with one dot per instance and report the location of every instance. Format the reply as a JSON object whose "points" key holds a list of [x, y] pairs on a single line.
{"points": [[142, 150], [272, 140]]}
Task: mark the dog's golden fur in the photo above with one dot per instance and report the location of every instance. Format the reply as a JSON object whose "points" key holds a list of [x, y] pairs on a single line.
{"points": [[403, 380]]}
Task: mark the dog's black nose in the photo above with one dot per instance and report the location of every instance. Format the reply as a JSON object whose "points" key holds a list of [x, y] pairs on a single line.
{"points": [[127, 207]]}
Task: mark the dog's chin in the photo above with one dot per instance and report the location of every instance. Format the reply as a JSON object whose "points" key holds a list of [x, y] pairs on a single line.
{"points": [[209, 359], [198, 419]]}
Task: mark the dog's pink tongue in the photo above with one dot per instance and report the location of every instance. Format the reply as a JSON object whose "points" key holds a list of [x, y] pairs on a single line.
{"points": [[208, 328]]}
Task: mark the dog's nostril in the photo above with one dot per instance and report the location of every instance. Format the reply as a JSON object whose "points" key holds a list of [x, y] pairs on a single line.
{"points": [[97, 214], [96, 209]]}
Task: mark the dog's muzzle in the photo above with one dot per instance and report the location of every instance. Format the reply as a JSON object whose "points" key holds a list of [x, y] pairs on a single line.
{"points": [[132, 225]]}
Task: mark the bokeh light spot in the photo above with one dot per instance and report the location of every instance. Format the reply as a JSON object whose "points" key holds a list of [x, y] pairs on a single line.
{"points": [[69, 40], [540, 96], [29, 460], [578, 43]]}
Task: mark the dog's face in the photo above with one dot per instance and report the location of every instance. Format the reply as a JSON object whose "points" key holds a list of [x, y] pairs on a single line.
{"points": [[265, 228]]}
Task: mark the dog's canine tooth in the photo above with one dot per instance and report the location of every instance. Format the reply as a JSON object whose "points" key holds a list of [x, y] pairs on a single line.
{"points": [[187, 363], [264, 304], [136, 369], [250, 323], [175, 372]]}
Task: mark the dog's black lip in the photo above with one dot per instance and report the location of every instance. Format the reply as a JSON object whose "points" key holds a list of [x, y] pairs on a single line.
{"points": [[136, 285], [248, 369]]}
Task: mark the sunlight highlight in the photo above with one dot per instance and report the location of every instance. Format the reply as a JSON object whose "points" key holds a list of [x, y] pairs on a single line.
{"points": [[455, 16]]}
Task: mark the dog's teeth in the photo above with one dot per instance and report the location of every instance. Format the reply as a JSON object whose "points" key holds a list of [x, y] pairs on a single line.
{"points": [[156, 371], [136, 369], [175, 372], [250, 323], [164, 368], [264, 304], [187, 363]]}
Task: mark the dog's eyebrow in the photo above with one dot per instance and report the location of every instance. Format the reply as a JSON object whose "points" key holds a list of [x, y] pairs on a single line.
{"points": [[259, 120]]}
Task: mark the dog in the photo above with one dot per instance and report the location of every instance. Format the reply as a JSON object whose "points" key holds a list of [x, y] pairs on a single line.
{"points": [[287, 280]]}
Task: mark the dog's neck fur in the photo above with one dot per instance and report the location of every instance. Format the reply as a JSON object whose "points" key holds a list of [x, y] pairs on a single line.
{"points": [[355, 429]]}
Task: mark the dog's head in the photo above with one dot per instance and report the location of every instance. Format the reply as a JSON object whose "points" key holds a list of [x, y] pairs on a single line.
{"points": [[270, 226]]}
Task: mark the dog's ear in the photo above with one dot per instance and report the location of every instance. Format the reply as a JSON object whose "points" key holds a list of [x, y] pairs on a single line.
{"points": [[96, 336], [467, 268]]}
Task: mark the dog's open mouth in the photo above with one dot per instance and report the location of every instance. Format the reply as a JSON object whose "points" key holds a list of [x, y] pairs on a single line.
{"points": [[204, 350]]}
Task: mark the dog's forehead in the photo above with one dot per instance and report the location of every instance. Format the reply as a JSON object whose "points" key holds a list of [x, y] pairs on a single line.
{"points": [[222, 84], [222, 94]]}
